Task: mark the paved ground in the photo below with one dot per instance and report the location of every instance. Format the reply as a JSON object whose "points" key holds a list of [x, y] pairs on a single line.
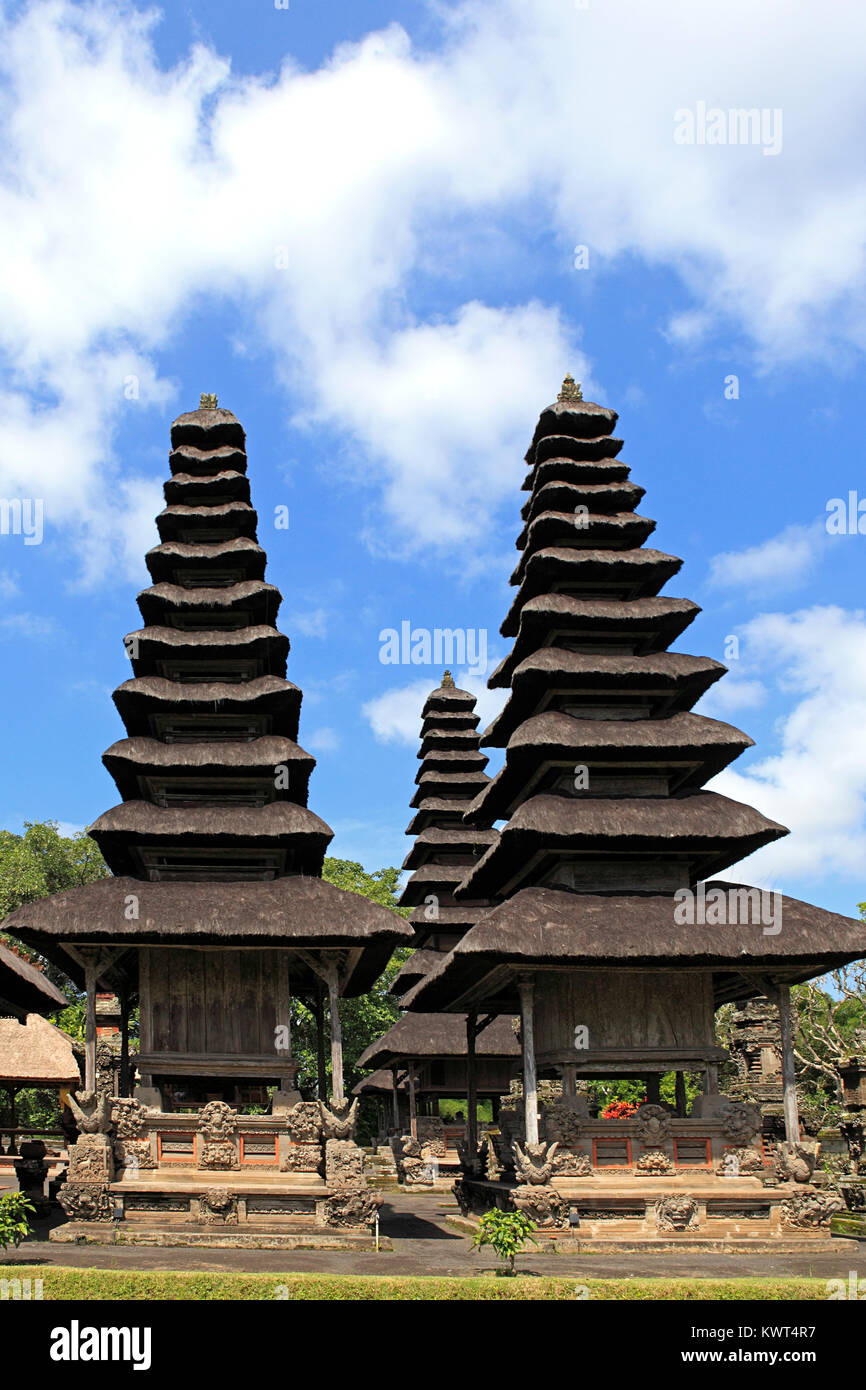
{"points": [[423, 1243]]}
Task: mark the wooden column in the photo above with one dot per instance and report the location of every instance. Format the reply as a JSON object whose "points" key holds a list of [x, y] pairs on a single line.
{"points": [[336, 1034], [471, 1088], [413, 1115], [569, 1080], [395, 1100], [145, 1009], [321, 1067], [526, 990], [789, 1074], [90, 1022], [653, 1088], [680, 1082], [124, 1042], [711, 1079]]}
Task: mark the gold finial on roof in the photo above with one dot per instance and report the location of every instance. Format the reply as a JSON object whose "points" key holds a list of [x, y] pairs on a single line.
{"points": [[570, 390], [207, 402], [447, 681]]}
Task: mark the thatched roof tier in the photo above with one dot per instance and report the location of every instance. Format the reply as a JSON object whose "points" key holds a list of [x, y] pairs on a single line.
{"points": [[639, 626], [178, 523], [448, 698], [379, 1083], [194, 490], [438, 810], [296, 910], [590, 573], [447, 783], [24, 989], [563, 495], [685, 750], [417, 1036], [180, 562], [438, 880], [132, 761], [35, 1053], [645, 686], [156, 649], [448, 760], [413, 970], [268, 703], [597, 448], [208, 429], [703, 829], [583, 420], [557, 930], [202, 462], [437, 739], [272, 822], [253, 600], [434, 841], [450, 719], [568, 468], [449, 917], [622, 531]]}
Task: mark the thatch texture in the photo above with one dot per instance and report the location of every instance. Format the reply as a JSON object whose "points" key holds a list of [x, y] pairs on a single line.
{"points": [[35, 1053], [430, 1036], [620, 530], [23, 988], [188, 459], [208, 429], [551, 928], [628, 573]]}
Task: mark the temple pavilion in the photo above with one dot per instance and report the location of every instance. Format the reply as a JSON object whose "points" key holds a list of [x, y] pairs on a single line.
{"points": [[429, 1054], [612, 936], [216, 915]]}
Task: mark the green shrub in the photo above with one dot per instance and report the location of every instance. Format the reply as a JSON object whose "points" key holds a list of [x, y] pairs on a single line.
{"points": [[507, 1232], [14, 1225]]}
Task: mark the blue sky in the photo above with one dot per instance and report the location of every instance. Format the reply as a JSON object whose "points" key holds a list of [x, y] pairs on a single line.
{"points": [[357, 224]]}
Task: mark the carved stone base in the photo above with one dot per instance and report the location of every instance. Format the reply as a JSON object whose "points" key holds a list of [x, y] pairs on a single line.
{"points": [[91, 1159], [542, 1204], [352, 1207], [86, 1201]]}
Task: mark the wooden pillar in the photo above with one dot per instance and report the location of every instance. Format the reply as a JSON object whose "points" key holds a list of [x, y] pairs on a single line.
{"points": [[336, 1034], [569, 1080], [123, 1080], [321, 1068], [789, 1075], [90, 1023], [680, 1093], [526, 990], [711, 1079], [471, 1088], [395, 1100], [653, 1088], [413, 1114], [145, 1009]]}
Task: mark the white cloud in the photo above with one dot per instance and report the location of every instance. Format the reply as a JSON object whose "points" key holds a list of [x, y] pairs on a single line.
{"points": [[323, 740], [311, 622], [9, 585], [816, 782], [784, 561], [395, 717], [311, 199]]}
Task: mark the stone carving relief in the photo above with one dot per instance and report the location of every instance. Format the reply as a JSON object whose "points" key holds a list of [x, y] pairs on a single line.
{"points": [[86, 1201], [337, 1118], [676, 1213], [302, 1158], [90, 1159], [534, 1164], [740, 1121], [653, 1124], [92, 1112], [217, 1126], [218, 1206], [344, 1163], [807, 1209], [352, 1207], [654, 1162], [562, 1121], [542, 1204], [570, 1163], [303, 1122], [740, 1163], [796, 1163]]}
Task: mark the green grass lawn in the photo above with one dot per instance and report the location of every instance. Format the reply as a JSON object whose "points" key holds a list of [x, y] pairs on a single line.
{"points": [[83, 1285]]}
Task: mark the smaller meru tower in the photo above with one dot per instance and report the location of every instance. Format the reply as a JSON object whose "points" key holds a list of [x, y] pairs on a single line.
{"points": [[216, 916]]}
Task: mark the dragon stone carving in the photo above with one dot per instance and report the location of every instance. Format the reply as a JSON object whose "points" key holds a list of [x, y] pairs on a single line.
{"points": [[338, 1118], [535, 1163], [676, 1213]]}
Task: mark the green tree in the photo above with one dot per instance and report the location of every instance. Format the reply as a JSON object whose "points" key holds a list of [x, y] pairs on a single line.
{"points": [[507, 1233]]}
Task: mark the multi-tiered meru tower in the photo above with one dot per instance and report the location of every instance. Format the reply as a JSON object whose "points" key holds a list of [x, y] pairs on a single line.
{"points": [[427, 1055], [607, 940], [216, 917]]}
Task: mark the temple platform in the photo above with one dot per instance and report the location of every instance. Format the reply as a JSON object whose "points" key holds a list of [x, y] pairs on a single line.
{"points": [[186, 1206]]}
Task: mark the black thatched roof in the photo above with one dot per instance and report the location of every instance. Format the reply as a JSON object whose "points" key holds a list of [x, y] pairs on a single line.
{"points": [[301, 911], [578, 420], [563, 495], [650, 624], [208, 429], [434, 840], [131, 759], [710, 830], [241, 556], [664, 682], [625, 574], [414, 969], [24, 989], [438, 1035], [188, 459], [235, 518], [253, 597], [189, 489], [621, 530], [555, 929], [139, 699], [687, 748]]}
